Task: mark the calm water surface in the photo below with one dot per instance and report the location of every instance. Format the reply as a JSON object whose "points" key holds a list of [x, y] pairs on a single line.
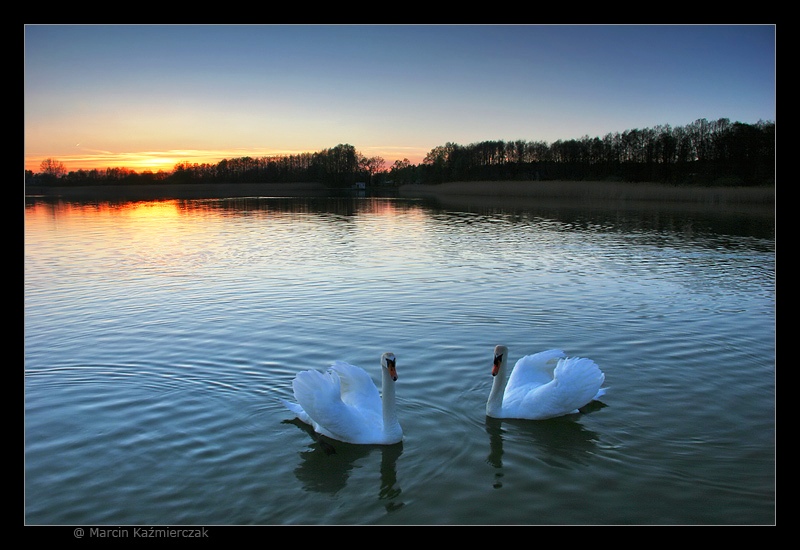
{"points": [[160, 337]]}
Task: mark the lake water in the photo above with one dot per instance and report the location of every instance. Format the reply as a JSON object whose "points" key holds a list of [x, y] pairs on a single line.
{"points": [[160, 337]]}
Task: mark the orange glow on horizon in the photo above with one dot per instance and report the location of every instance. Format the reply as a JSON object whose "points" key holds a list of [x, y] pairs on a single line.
{"points": [[165, 161], [138, 162]]}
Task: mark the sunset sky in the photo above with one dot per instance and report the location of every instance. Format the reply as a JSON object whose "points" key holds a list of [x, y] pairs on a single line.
{"points": [[147, 97]]}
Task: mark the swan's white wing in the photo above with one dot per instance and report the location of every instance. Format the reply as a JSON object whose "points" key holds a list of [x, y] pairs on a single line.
{"points": [[342, 403], [533, 370], [582, 376], [317, 394], [357, 388], [576, 382]]}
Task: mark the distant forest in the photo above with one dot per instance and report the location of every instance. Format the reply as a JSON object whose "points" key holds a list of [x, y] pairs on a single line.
{"points": [[700, 153]]}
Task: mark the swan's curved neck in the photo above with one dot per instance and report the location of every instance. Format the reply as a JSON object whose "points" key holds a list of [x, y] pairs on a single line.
{"points": [[388, 402], [495, 402]]}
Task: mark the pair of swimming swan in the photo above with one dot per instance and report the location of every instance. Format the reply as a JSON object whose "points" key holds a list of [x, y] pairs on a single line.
{"points": [[343, 403]]}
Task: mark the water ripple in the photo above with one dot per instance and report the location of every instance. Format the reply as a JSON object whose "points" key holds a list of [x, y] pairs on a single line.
{"points": [[160, 339]]}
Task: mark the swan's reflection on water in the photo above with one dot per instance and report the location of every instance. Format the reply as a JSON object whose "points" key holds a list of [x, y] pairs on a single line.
{"points": [[558, 442], [326, 466]]}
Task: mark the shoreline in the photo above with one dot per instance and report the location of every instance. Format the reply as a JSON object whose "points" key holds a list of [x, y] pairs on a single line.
{"points": [[595, 190], [178, 191], [467, 194]]}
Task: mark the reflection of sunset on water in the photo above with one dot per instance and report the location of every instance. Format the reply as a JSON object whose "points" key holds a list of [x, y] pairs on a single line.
{"points": [[148, 209], [173, 235]]}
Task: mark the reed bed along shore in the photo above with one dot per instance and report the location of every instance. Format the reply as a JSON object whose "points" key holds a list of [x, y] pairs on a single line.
{"points": [[598, 190], [596, 194]]}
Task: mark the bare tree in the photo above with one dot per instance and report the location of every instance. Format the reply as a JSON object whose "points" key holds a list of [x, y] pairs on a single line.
{"points": [[52, 167], [373, 165]]}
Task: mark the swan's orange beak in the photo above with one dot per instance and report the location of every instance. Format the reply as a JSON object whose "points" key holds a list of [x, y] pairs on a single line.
{"points": [[392, 369], [496, 365]]}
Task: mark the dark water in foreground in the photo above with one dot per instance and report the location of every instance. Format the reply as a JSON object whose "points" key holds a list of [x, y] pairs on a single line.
{"points": [[160, 336]]}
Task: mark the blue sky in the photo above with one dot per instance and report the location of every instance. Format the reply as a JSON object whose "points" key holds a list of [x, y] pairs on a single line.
{"points": [[146, 97]]}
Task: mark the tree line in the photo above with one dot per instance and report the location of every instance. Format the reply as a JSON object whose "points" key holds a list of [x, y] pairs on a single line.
{"points": [[340, 166], [701, 153]]}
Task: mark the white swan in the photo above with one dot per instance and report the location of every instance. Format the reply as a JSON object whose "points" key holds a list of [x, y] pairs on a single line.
{"points": [[543, 385], [343, 403]]}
